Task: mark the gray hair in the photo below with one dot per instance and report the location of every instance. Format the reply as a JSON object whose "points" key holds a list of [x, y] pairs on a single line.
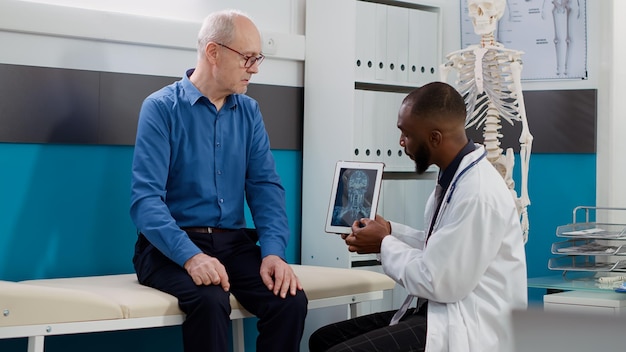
{"points": [[218, 27]]}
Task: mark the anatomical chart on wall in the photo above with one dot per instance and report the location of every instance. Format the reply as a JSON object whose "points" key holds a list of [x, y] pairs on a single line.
{"points": [[551, 33]]}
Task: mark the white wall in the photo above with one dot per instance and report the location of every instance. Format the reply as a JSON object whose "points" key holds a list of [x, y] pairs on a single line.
{"points": [[140, 36], [611, 173], [270, 15]]}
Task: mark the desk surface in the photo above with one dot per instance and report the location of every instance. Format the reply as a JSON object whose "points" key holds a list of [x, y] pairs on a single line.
{"points": [[573, 281]]}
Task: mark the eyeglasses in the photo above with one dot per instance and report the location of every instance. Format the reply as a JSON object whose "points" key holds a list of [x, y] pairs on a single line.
{"points": [[250, 60]]}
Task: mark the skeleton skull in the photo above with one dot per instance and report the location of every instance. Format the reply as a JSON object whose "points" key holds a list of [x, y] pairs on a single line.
{"points": [[485, 14]]}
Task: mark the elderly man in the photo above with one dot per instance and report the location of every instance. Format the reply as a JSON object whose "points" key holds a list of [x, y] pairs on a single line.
{"points": [[201, 149]]}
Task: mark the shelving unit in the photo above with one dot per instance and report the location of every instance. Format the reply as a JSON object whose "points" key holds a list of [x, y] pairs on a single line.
{"points": [[360, 62]]}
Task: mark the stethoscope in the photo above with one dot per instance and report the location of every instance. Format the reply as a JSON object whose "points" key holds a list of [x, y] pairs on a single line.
{"points": [[471, 165], [452, 188]]}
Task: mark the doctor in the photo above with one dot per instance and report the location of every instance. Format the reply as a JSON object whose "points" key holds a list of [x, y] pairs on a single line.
{"points": [[468, 267]]}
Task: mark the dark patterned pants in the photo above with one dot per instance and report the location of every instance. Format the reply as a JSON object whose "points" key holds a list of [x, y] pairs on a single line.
{"points": [[372, 333]]}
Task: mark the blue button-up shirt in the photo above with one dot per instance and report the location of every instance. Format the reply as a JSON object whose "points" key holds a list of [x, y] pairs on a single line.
{"points": [[193, 166]]}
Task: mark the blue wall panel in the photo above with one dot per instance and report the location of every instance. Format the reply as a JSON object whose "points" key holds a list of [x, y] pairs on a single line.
{"points": [[64, 213], [557, 184]]}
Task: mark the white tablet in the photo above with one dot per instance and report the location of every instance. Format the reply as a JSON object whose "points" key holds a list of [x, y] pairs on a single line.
{"points": [[356, 187]]}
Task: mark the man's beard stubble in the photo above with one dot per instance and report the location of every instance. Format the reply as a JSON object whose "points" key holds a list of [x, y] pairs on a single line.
{"points": [[421, 156]]}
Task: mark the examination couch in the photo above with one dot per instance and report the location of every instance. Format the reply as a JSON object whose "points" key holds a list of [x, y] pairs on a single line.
{"points": [[39, 308]]}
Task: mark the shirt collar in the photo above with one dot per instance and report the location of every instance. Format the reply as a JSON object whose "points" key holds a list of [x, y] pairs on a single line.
{"points": [[189, 90], [193, 95], [446, 176]]}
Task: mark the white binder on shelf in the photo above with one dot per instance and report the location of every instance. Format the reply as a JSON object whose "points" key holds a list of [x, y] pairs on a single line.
{"points": [[365, 57], [381, 124], [428, 27], [394, 154], [415, 47], [368, 125], [359, 129], [397, 44], [380, 42]]}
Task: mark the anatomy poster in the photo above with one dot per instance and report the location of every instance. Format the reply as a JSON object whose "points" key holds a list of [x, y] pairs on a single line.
{"points": [[551, 33]]}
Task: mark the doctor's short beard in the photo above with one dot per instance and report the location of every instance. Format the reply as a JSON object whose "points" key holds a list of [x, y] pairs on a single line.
{"points": [[421, 156]]}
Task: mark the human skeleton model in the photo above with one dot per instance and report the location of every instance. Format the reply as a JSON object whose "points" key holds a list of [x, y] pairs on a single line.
{"points": [[489, 79], [563, 14]]}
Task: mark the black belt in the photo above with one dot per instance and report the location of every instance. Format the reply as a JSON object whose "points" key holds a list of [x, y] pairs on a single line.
{"points": [[205, 229]]}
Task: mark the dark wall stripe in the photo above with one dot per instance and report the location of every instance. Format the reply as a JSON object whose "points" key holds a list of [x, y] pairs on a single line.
{"points": [[48, 105], [121, 96], [283, 111], [561, 121], [53, 105]]}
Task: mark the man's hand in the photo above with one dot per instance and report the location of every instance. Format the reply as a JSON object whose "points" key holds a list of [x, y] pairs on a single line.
{"points": [[207, 270], [279, 277], [367, 235]]}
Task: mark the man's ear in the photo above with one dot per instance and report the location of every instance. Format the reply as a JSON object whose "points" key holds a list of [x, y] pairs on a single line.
{"points": [[434, 138], [210, 52]]}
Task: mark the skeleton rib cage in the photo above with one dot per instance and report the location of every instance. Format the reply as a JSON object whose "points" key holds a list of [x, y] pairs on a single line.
{"points": [[495, 87]]}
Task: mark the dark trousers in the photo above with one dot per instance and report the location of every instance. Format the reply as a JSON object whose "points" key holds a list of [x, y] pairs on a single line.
{"points": [[372, 333], [207, 308]]}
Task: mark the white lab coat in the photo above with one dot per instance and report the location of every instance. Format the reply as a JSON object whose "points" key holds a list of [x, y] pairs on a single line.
{"points": [[473, 269]]}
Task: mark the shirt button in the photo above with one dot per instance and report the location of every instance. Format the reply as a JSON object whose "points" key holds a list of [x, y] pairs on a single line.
{"points": [[218, 144], [219, 172], [221, 200]]}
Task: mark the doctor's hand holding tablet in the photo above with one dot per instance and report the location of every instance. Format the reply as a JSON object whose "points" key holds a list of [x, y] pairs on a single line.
{"points": [[367, 235]]}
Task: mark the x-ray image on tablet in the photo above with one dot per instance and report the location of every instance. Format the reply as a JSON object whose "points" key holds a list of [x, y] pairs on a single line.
{"points": [[355, 192]]}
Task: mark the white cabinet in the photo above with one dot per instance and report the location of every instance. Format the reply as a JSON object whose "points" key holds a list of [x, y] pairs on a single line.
{"points": [[361, 59], [611, 303]]}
